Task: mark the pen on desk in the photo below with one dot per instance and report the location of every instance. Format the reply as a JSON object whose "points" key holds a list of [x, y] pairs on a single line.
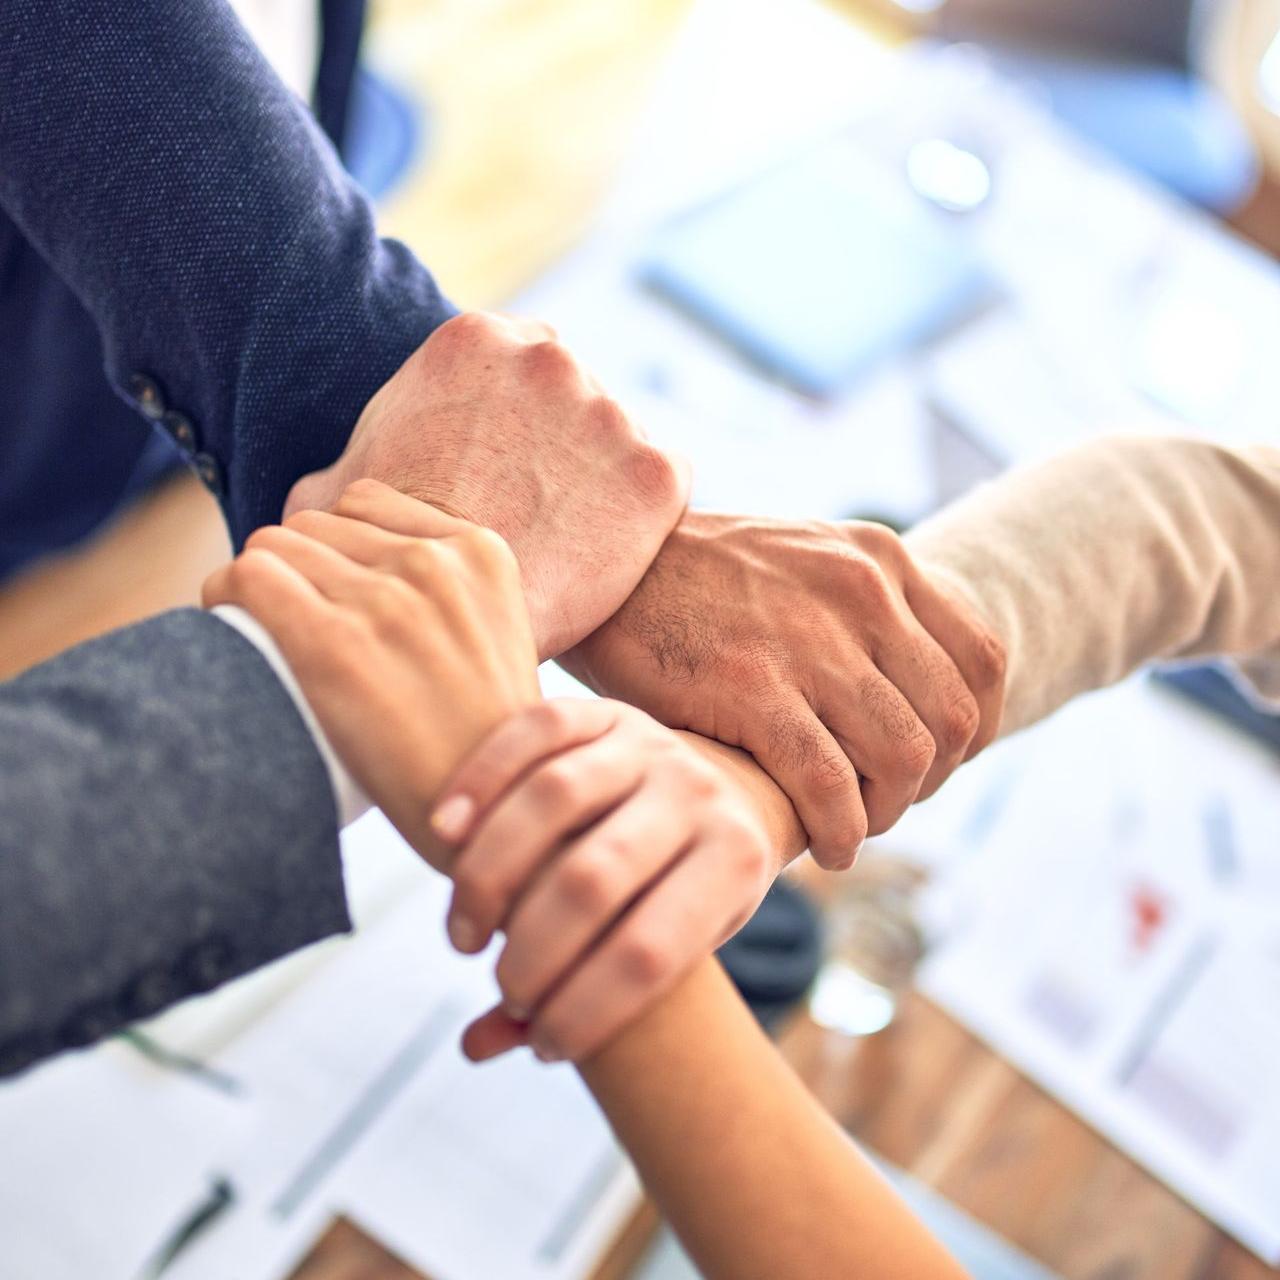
{"points": [[220, 1198], [172, 1060]]}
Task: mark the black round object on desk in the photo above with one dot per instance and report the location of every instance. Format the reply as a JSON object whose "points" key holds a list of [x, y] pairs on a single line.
{"points": [[774, 958]]}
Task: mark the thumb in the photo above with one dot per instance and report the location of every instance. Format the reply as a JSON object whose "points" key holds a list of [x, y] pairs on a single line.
{"points": [[379, 504], [493, 1034]]}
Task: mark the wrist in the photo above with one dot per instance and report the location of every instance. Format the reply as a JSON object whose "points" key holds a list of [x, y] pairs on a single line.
{"points": [[766, 800], [349, 798]]}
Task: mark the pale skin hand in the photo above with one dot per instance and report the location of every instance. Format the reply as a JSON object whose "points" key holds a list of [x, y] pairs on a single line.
{"points": [[406, 630], [855, 680], [410, 646], [491, 419], [611, 852], [387, 648], [377, 624]]}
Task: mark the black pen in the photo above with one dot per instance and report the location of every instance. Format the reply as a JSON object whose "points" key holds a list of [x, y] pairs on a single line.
{"points": [[221, 1197]]}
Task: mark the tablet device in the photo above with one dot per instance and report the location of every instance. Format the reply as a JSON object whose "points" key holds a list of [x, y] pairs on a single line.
{"points": [[819, 268]]}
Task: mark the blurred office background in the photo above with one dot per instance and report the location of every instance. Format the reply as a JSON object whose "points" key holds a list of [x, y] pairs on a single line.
{"points": [[1027, 223]]}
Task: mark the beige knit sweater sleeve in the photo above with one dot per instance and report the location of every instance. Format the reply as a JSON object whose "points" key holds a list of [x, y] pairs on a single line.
{"points": [[1105, 558]]}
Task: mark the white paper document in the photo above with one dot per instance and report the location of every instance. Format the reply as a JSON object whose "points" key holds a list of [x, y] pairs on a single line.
{"points": [[349, 1096], [1116, 934], [371, 1112], [100, 1155]]}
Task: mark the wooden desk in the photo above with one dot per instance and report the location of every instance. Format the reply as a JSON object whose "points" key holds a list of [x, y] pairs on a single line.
{"points": [[928, 1096], [934, 1100], [500, 199]]}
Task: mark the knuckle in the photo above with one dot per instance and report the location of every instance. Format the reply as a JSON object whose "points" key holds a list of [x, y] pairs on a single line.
{"points": [[796, 740], [356, 500], [479, 887], [556, 788], [586, 882], [468, 325], [880, 542], [651, 472], [253, 565], [362, 491], [419, 560], [608, 418], [550, 359], [643, 960], [240, 575], [991, 660], [553, 719], [868, 580], [960, 721], [916, 753], [306, 522], [261, 539], [831, 772], [488, 550], [750, 855]]}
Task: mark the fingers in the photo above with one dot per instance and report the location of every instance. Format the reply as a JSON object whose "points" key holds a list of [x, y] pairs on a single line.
{"points": [[491, 1034], [878, 729], [917, 666], [359, 540], [806, 761], [387, 508], [528, 824], [587, 887], [513, 747], [680, 920], [273, 592], [329, 571], [975, 651]]}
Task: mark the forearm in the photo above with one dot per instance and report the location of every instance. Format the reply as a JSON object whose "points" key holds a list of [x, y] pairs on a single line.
{"points": [[1121, 552], [755, 1178], [165, 825]]}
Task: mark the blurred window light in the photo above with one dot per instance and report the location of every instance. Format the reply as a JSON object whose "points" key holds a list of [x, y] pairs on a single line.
{"points": [[947, 175], [1269, 75], [919, 6]]}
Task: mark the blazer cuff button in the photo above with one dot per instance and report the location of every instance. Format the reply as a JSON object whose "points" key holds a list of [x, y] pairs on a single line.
{"points": [[146, 395]]}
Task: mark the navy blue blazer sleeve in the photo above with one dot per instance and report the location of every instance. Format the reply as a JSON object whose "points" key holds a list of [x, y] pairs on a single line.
{"points": [[166, 823], [190, 201]]}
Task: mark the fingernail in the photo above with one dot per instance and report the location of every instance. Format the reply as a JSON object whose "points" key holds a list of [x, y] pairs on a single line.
{"points": [[516, 1012], [544, 1050], [451, 820], [464, 933]]}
